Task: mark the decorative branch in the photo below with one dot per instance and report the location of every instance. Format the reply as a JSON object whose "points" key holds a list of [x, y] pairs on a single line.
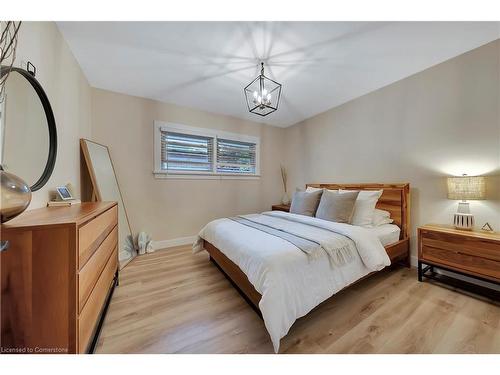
{"points": [[8, 43], [283, 177]]}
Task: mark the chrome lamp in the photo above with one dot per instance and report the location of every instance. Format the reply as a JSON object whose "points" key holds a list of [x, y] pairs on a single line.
{"points": [[465, 188], [263, 94]]}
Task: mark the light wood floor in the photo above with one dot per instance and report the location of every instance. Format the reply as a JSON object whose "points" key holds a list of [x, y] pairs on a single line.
{"points": [[175, 302]]}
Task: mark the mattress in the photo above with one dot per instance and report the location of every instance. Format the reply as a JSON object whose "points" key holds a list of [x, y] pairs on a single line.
{"points": [[386, 233], [291, 284]]}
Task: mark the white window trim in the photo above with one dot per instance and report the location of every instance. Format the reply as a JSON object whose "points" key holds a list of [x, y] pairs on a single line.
{"points": [[160, 126]]}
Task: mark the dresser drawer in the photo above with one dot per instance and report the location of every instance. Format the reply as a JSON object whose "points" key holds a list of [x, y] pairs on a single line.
{"points": [[90, 313], [91, 235], [476, 247], [90, 273], [461, 261]]}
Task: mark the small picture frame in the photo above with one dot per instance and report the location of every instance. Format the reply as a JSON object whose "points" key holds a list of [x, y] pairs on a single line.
{"points": [[64, 193]]}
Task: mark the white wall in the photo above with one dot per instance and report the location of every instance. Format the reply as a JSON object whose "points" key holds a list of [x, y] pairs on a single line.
{"points": [[169, 209], [69, 94], [440, 122]]}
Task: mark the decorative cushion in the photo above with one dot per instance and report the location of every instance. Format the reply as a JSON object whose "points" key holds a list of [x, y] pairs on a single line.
{"points": [[304, 203], [336, 206], [364, 207]]}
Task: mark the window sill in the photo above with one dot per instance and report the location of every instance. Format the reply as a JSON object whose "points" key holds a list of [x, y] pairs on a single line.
{"points": [[182, 176]]}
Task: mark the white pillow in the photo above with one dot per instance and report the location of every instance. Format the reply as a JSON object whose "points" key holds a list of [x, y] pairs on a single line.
{"points": [[364, 208], [381, 217]]}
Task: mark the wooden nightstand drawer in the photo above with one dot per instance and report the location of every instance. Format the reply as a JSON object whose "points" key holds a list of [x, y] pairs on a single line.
{"points": [[460, 261], [472, 253], [475, 247]]}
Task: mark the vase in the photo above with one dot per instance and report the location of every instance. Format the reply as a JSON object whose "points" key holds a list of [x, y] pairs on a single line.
{"points": [[286, 199], [15, 195]]}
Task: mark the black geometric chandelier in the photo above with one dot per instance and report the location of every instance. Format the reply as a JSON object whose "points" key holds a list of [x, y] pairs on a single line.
{"points": [[263, 94]]}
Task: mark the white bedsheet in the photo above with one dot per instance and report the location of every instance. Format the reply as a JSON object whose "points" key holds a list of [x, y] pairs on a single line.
{"points": [[291, 284], [386, 233]]}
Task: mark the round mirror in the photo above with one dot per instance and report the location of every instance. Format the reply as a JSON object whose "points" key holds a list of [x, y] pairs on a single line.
{"points": [[27, 129]]}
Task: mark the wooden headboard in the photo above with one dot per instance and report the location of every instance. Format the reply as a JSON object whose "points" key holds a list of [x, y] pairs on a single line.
{"points": [[395, 199]]}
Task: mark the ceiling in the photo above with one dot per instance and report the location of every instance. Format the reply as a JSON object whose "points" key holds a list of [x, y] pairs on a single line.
{"points": [[205, 65]]}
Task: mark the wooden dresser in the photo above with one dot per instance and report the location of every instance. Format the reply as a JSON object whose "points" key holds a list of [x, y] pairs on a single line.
{"points": [[57, 276], [471, 253]]}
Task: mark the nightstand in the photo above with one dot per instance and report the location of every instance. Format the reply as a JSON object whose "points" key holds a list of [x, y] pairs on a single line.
{"points": [[474, 254], [281, 207]]}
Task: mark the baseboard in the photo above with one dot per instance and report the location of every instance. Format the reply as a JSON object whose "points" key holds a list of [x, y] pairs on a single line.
{"points": [[164, 244], [414, 261]]}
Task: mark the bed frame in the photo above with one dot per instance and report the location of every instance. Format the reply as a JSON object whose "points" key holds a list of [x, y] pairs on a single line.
{"points": [[395, 199]]}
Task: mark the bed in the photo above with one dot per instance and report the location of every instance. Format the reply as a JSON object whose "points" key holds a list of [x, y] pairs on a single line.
{"points": [[282, 283]]}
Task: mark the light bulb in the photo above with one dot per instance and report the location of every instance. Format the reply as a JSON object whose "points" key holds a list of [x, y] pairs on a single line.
{"points": [[255, 94], [264, 92], [259, 99], [269, 98]]}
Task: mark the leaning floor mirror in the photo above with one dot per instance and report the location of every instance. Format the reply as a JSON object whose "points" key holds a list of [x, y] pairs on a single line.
{"points": [[105, 188]]}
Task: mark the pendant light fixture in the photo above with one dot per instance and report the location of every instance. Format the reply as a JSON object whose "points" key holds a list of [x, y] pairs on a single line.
{"points": [[263, 94]]}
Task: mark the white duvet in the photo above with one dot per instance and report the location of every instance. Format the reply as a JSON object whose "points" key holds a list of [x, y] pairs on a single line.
{"points": [[290, 282]]}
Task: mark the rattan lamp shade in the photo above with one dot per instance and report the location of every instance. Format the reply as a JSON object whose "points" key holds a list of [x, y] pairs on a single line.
{"points": [[466, 188]]}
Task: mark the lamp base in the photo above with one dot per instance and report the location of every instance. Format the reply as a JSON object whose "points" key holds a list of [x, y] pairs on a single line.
{"points": [[463, 221], [463, 208]]}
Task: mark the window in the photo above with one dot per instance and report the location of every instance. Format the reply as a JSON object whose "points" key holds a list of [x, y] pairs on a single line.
{"points": [[187, 152], [235, 157]]}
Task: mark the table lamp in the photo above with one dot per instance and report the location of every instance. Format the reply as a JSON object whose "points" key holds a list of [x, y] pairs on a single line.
{"points": [[465, 188]]}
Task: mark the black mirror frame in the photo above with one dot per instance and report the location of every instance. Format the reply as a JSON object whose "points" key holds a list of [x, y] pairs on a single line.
{"points": [[51, 123]]}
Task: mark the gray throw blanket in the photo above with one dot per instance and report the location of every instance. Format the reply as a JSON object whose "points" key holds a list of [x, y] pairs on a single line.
{"points": [[308, 246], [307, 237]]}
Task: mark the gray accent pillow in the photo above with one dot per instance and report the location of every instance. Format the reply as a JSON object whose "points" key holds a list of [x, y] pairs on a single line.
{"points": [[336, 206], [304, 203]]}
